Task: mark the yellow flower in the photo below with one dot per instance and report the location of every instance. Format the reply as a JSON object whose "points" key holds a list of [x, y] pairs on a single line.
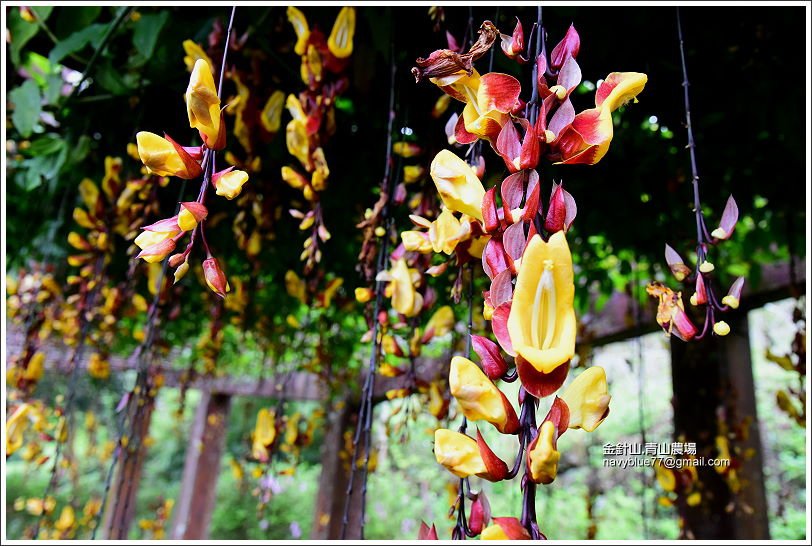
{"points": [[458, 453], [405, 299], [478, 397], [442, 321], [193, 53], [542, 319], [35, 369], [203, 104], [340, 41], [98, 367], [416, 241], [543, 456], [264, 434], [363, 295], [230, 184], [446, 231], [588, 399], [271, 115], [298, 142], [15, 427], [299, 22], [163, 158], [295, 286], [413, 173], [67, 518], [311, 65], [458, 185]]}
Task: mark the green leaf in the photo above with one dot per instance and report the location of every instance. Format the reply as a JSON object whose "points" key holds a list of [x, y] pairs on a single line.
{"points": [[42, 12], [110, 79], [75, 18], [53, 88], [146, 32], [47, 144], [76, 42], [27, 107], [20, 32], [38, 67]]}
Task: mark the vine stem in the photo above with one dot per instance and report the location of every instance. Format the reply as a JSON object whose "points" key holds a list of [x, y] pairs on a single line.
{"points": [[700, 231], [364, 425], [141, 377], [86, 318]]}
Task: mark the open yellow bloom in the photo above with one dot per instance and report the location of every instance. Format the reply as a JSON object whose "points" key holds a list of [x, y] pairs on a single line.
{"points": [[202, 103], [230, 184], [405, 299], [588, 399], [457, 183], [193, 53], [446, 231], [16, 425], [478, 397], [264, 434], [298, 142], [162, 158], [299, 22], [340, 41], [543, 456], [542, 319], [458, 453], [67, 519], [271, 116], [442, 321]]}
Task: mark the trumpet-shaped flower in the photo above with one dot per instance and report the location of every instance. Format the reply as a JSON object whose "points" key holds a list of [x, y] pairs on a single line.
{"points": [[405, 299], [340, 41], [588, 399], [587, 138], [299, 22], [193, 53], [203, 104], [264, 434], [542, 319], [459, 453], [542, 454], [489, 99], [17, 423], [164, 157], [479, 398], [505, 529], [157, 241], [458, 185], [271, 116], [229, 184]]}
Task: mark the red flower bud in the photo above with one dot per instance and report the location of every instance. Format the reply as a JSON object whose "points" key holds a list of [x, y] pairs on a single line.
{"points": [[215, 278]]}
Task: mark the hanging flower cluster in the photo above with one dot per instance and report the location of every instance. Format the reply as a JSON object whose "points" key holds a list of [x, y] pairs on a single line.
{"points": [[526, 256], [323, 61], [165, 157], [671, 314]]}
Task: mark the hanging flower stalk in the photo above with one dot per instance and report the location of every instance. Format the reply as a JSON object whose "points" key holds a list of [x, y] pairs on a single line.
{"points": [[165, 157], [671, 313], [323, 62], [525, 254]]}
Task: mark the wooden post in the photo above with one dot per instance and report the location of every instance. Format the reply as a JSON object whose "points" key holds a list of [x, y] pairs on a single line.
{"points": [[713, 381], [335, 477], [198, 490], [751, 512], [123, 493]]}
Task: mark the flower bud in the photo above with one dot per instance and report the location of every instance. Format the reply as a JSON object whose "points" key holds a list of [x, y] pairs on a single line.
{"points": [[215, 278]]}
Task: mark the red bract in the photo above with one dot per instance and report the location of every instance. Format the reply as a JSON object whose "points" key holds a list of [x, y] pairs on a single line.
{"points": [[567, 48], [490, 357], [561, 210]]}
